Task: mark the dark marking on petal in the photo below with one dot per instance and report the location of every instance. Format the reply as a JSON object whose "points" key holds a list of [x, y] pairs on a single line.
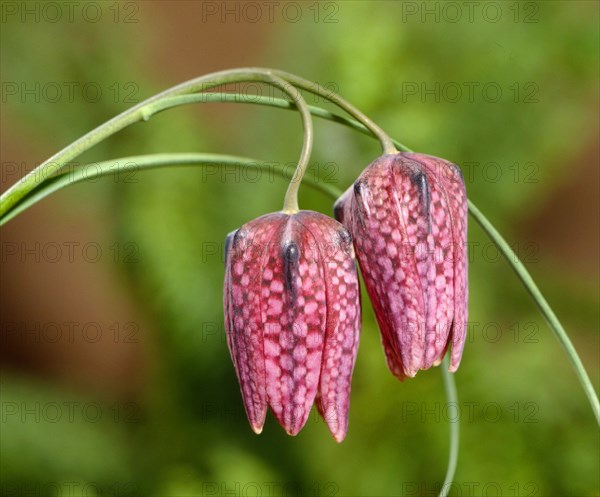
{"points": [[291, 255], [239, 236], [458, 171], [338, 211], [344, 242], [419, 179], [360, 207], [344, 236], [359, 188], [228, 244]]}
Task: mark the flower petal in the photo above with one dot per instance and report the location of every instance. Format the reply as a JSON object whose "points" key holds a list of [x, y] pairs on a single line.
{"points": [[383, 250], [343, 319], [407, 214], [293, 312], [244, 260], [426, 213], [452, 182]]}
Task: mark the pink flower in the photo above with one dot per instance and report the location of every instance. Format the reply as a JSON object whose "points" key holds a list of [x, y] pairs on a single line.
{"points": [[292, 317], [407, 214]]}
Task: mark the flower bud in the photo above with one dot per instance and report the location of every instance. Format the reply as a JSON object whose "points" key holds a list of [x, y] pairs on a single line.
{"points": [[292, 317], [407, 214]]}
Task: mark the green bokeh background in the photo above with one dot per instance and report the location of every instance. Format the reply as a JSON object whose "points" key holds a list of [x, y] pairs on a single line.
{"points": [[180, 429]]}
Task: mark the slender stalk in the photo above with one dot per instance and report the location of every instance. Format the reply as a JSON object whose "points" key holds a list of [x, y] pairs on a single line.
{"points": [[145, 162], [387, 143], [46, 170], [144, 110], [290, 202], [216, 97], [535, 293], [139, 112], [451, 399]]}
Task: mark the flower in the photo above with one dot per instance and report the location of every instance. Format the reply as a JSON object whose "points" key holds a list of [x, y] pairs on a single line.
{"points": [[292, 317], [407, 214]]}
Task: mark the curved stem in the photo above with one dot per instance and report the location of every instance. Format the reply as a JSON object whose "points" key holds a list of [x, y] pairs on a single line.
{"points": [[451, 399], [387, 144], [46, 170], [143, 162], [290, 202], [141, 111], [237, 98], [535, 293]]}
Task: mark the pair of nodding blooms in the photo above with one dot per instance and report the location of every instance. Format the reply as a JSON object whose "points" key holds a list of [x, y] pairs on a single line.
{"points": [[292, 297]]}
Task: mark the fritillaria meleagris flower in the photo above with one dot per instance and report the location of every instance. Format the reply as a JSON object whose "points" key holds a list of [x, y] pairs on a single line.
{"points": [[407, 214], [292, 317]]}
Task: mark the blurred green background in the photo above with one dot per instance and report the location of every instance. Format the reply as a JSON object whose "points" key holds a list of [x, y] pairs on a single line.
{"points": [[116, 379]]}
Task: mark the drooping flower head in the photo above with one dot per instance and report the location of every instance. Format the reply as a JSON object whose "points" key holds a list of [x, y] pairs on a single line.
{"points": [[292, 317], [407, 214]]}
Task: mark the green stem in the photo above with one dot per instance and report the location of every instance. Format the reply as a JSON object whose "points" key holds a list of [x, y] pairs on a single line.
{"points": [[139, 112], [451, 399], [387, 143], [290, 202], [556, 326], [236, 98], [44, 172], [143, 162], [144, 110]]}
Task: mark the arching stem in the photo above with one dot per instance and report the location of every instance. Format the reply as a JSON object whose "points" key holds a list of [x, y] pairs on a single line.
{"points": [[451, 400], [387, 144], [139, 112], [290, 202]]}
